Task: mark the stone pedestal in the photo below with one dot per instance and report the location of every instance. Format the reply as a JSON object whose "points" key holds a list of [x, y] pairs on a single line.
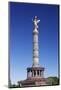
{"points": [[35, 77], [33, 72]]}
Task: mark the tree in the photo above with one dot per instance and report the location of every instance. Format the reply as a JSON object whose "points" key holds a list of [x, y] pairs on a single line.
{"points": [[53, 80]]}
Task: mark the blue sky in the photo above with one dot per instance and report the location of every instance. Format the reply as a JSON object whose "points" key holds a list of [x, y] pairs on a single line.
{"points": [[21, 38]]}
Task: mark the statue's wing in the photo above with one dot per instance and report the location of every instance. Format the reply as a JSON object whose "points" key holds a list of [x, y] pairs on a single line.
{"points": [[32, 20], [38, 21]]}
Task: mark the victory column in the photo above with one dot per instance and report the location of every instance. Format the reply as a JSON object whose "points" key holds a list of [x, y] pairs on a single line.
{"points": [[35, 74]]}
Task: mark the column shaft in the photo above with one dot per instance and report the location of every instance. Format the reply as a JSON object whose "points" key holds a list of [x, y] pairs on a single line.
{"points": [[32, 73], [35, 50], [36, 73]]}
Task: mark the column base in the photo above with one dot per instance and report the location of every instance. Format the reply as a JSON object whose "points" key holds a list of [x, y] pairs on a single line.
{"points": [[35, 65]]}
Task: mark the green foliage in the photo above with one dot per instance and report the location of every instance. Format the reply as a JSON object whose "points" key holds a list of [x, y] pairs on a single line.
{"points": [[53, 81]]}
